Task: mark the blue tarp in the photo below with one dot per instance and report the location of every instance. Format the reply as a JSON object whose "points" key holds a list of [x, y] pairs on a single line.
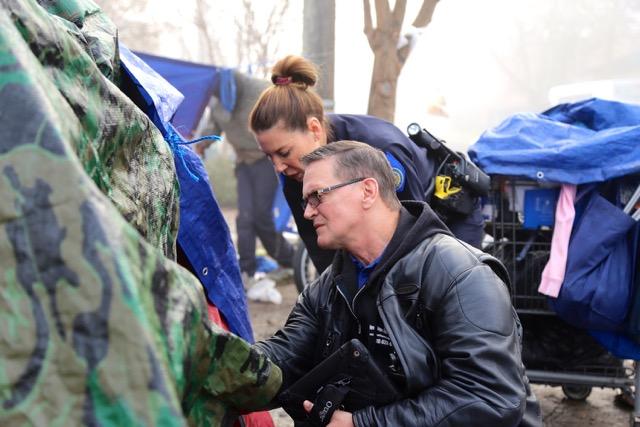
{"points": [[195, 81], [589, 141], [592, 141], [161, 99], [203, 233], [206, 241]]}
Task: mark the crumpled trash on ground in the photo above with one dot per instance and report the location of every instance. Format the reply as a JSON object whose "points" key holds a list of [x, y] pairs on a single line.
{"points": [[264, 290]]}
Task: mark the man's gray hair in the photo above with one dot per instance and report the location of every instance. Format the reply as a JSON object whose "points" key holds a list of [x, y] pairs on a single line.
{"points": [[355, 160]]}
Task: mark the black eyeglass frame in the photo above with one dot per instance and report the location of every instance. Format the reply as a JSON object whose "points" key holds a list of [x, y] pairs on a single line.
{"points": [[316, 195]]}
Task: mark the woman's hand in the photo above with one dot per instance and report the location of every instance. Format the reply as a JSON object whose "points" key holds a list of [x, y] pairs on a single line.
{"points": [[338, 419]]}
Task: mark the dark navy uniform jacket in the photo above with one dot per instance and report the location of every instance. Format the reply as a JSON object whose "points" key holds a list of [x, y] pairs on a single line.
{"points": [[412, 167]]}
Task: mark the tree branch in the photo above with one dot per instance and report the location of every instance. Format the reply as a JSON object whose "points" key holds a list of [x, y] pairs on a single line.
{"points": [[276, 16], [368, 26], [383, 13], [398, 14], [213, 51], [425, 14]]}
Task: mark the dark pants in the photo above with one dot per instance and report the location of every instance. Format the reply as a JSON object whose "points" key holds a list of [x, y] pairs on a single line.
{"points": [[257, 186]]}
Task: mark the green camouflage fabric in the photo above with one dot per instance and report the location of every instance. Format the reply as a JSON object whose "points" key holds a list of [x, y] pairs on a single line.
{"points": [[99, 326], [120, 149], [97, 33]]}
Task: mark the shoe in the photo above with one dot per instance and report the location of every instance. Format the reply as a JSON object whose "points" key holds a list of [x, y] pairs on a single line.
{"points": [[264, 290], [265, 264], [247, 281]]}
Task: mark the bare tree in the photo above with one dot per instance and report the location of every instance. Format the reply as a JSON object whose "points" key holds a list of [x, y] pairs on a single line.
{"points": [[134, 30], [255, 38], [390, 50], [212, 53], [257, 46]]}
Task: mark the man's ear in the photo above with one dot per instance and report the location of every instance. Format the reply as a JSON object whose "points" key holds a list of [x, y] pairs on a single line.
{"points": [[370, 192]]}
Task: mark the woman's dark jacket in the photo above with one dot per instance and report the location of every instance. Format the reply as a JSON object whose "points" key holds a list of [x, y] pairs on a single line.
{"points": [[448, 315]]}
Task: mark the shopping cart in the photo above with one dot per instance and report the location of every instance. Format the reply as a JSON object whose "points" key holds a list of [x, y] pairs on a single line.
{"points": [[519, 226]]}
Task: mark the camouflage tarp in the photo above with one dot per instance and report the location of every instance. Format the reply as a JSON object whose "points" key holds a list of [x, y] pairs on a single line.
{"points": [[99, 327], [122, 152]]}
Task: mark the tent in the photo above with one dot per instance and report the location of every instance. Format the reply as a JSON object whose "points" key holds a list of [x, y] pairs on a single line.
{"points": [[100, 325]]}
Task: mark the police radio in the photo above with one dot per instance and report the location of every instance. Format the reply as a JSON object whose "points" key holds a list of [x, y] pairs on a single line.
{"points": [[458, 180]]}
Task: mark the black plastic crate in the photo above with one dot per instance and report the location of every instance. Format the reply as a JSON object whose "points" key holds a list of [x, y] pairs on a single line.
{"points": [[524, 252], [554, 352]]}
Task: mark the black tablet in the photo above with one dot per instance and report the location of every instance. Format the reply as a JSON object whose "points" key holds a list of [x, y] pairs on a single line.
{"points": [[352, 366]]}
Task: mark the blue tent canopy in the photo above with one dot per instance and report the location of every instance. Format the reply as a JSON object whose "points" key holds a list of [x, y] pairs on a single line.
{"points": [[589, 141], [193, 80]]}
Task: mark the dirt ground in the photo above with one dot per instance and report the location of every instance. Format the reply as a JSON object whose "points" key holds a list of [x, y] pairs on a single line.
{"points": [[598, 410]]}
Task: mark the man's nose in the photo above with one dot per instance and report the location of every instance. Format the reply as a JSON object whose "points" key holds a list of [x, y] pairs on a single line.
{"points": [[309, 211]]}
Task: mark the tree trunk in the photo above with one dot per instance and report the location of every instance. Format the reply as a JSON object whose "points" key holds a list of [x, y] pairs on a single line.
{"points": [[389, 53], [384, 81], [318, 44]]}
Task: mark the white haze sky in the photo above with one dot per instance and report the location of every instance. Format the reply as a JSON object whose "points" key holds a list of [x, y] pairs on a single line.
{"points": [[479, 60]]}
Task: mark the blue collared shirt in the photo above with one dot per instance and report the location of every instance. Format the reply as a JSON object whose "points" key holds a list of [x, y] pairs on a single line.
{"points": [[364, 271]]}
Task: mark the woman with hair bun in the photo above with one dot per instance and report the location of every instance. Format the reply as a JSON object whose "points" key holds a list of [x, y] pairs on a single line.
{"points": [[289, 122]]}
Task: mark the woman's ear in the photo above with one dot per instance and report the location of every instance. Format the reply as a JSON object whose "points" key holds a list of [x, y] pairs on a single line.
{"points": [[315, 127], [370, 192]]}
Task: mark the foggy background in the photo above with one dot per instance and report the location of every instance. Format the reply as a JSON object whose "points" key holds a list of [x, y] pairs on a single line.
{"points": [[476, 62]]}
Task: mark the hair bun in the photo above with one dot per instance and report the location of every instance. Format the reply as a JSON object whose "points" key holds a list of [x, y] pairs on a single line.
{"points": [[294, 69]]}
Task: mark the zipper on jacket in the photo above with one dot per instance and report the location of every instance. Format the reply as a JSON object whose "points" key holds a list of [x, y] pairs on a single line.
{"points": [[327, 345], [351, 308], [419, 320]]}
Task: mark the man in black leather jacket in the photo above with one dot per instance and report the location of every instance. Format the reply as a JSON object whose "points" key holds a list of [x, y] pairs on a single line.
{"points": [[433, 312]]}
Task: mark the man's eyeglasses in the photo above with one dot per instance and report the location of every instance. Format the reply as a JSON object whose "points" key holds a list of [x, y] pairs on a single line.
{"points": [[315, 198]]}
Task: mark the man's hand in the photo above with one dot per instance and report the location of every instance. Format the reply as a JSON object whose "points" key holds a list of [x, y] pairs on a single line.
{"points": [[338, 419]]}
